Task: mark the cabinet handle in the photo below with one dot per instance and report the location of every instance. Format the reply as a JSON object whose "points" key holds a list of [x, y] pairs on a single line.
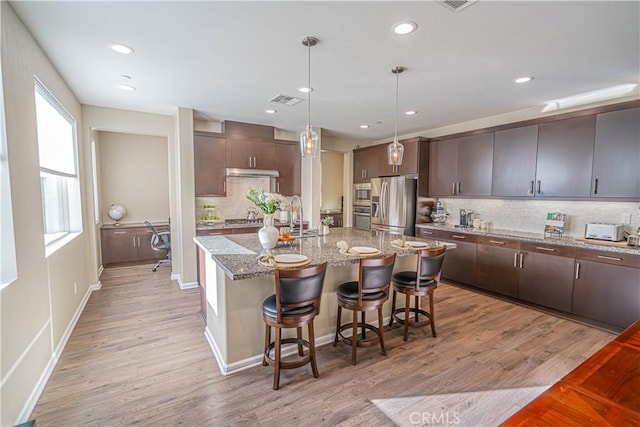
{"points": [[119, 232], [577, 270], [610, 258], [456, 236], [497, 242], [595, 189], [538, 186], [453, 189], [459, 188], [255, 162], [139, 244], [278, 186], [540, 248], [531, 188], [515, 260], [134, 242], [521, 260], [426, 232], [224, 185]]}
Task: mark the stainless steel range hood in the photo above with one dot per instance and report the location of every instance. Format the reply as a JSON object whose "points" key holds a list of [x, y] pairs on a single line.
{"points": [[251, 172]]}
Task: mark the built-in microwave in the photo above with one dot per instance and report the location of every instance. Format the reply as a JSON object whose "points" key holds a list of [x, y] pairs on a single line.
{"points": [[362, 194]]}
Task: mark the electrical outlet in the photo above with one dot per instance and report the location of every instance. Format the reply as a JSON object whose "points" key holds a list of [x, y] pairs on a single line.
{"points": [[625, 218], [75, 288]]}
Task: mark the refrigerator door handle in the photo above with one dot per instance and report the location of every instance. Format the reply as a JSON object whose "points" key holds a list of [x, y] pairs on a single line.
{"points": [[385, 199]]}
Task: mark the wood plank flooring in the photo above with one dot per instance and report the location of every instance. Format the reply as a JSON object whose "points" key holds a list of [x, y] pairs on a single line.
{"points": [[138, 356]]}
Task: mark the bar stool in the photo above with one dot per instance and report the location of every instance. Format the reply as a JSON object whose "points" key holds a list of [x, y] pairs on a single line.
{"points": [[369, 293], [294, 305], [429, 265]]}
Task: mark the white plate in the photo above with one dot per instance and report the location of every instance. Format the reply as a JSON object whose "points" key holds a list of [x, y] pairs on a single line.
{"points": [[416, 244], [364, 250], [290, 258]]}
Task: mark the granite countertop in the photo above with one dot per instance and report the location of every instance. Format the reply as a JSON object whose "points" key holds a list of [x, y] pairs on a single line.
{"points": [[258, 223], [533, 237], [237, 254]]}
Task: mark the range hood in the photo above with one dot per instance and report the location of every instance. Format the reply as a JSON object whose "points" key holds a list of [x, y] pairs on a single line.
{"points": [[251, 172]]}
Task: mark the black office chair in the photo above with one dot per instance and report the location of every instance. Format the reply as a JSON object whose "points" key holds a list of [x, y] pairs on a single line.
{"points": [[160, 241]]}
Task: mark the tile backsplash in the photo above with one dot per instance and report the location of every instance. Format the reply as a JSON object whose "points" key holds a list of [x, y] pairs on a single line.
{"points": [[530, 215], [235, 204]]}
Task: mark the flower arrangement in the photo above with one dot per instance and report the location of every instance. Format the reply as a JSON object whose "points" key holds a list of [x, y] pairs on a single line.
{"points": [[327, 220], [268, 203]]}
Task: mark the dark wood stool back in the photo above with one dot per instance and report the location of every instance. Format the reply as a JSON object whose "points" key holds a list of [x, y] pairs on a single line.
{"points": [[369, 293], [419, 283], [295, 304]]}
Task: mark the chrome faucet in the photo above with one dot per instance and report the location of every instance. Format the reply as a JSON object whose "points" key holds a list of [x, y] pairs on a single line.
{"points": [[291, 221]]}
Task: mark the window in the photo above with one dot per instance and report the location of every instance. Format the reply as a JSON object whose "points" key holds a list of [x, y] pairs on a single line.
{"points": [[8, 269], [60, 186]]}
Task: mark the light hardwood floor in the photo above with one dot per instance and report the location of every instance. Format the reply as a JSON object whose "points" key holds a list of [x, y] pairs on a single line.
{"points": [[138, 356]]}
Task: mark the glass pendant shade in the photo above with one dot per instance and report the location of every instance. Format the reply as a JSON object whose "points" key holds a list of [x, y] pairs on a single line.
{"points": [[395, 153], [309, 142]]}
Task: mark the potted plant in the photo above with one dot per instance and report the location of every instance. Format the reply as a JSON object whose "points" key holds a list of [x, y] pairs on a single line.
{"points": [[327, 221], [268, 204]]}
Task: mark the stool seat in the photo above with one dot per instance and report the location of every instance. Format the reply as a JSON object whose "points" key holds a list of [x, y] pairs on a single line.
{"points": [[269, 308], [408, 279], [349, 290]]}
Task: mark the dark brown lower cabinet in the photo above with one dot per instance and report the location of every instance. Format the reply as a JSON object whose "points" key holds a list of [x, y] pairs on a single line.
{"points": [[546, 275], [497, 266], [460, 264], [128, 243], [607, 290]]}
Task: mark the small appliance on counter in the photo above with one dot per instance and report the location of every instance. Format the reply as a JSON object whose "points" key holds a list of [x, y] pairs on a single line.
{"points": [[600, 231], [440, 214], [466, 218]]}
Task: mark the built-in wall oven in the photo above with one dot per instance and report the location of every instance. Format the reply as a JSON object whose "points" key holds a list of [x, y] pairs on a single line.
{"points": [[362, 217]]}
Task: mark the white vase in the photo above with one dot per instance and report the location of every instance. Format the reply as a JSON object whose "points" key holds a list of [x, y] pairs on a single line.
{"points": [[325, 230], [268, 234]]}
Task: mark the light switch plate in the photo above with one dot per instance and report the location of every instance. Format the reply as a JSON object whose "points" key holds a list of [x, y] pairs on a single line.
{"points": [[625, 218]]}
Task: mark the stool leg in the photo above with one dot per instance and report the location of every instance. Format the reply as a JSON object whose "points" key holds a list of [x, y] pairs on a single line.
{"points": [[381, 329], [335, 339], [276, 366], [299, 335], [417, 301], [267, 341], [354, 338], [363, 322], [432, 318], [407, 304], [393, 308], [312, 351]]}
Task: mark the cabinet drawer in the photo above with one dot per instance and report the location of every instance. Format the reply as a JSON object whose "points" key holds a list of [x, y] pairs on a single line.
{"points": [[498, 242], [455, 236], [607, 257], [544, 248]]}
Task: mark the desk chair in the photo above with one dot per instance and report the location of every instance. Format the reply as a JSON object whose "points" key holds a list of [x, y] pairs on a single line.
{"points": [[160, 241]]}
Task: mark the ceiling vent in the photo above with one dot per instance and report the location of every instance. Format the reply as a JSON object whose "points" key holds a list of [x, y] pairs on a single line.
{"points": [[286, 100], [456, 5]]}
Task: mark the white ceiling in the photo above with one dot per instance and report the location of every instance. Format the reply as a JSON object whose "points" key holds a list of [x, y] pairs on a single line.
{"points": [[227, 59]]}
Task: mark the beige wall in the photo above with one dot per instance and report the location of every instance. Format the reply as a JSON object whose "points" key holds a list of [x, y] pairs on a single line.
{"points": [[37, 308], [332, 173], [135, 174]]}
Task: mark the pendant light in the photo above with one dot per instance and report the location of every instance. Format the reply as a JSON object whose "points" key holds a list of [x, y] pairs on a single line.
{"points": [[308, 137], [395, 150]]}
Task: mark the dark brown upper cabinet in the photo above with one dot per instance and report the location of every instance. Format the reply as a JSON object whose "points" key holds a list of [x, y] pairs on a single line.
{"points": [[409, 164], [461, 166], [616, 158], [209, 154], [365, 164], [288, 164], [250, 154], [514, 162], [565, 158]]}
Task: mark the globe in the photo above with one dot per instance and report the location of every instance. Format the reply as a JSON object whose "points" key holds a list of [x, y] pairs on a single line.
{"points": [[117, 212]]}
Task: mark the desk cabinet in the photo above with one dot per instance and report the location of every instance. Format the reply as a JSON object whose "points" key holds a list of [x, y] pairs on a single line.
{"points": [[129, 244]]}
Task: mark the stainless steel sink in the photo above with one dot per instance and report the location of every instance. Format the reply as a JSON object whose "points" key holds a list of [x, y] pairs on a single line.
{"points": [[305, 234]]}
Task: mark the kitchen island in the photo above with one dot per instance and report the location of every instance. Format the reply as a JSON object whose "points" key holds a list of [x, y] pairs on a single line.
{"points": [[236, 285]]}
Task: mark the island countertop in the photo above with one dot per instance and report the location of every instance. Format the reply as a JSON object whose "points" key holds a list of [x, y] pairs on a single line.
{"points": [[237, 254]]}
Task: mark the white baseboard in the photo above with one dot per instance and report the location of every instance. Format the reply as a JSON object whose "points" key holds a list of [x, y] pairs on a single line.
{"points": [[181, 285], [250, 362], [42, 382]]}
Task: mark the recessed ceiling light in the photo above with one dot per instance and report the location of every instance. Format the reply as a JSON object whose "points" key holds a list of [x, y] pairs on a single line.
{"points": [[121, 48], [523, 79], [305, 89], [404, 27], [364, 126], [127, 88], [270, 111], [411, 112]]}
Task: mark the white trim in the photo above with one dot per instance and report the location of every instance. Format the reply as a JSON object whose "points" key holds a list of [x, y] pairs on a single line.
{"points": [[100, 270], [188, 285], [256, 360], [44, 378]]}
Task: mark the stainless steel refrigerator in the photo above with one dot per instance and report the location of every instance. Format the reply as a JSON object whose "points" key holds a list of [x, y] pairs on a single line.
{"points": [[393, 204]]}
